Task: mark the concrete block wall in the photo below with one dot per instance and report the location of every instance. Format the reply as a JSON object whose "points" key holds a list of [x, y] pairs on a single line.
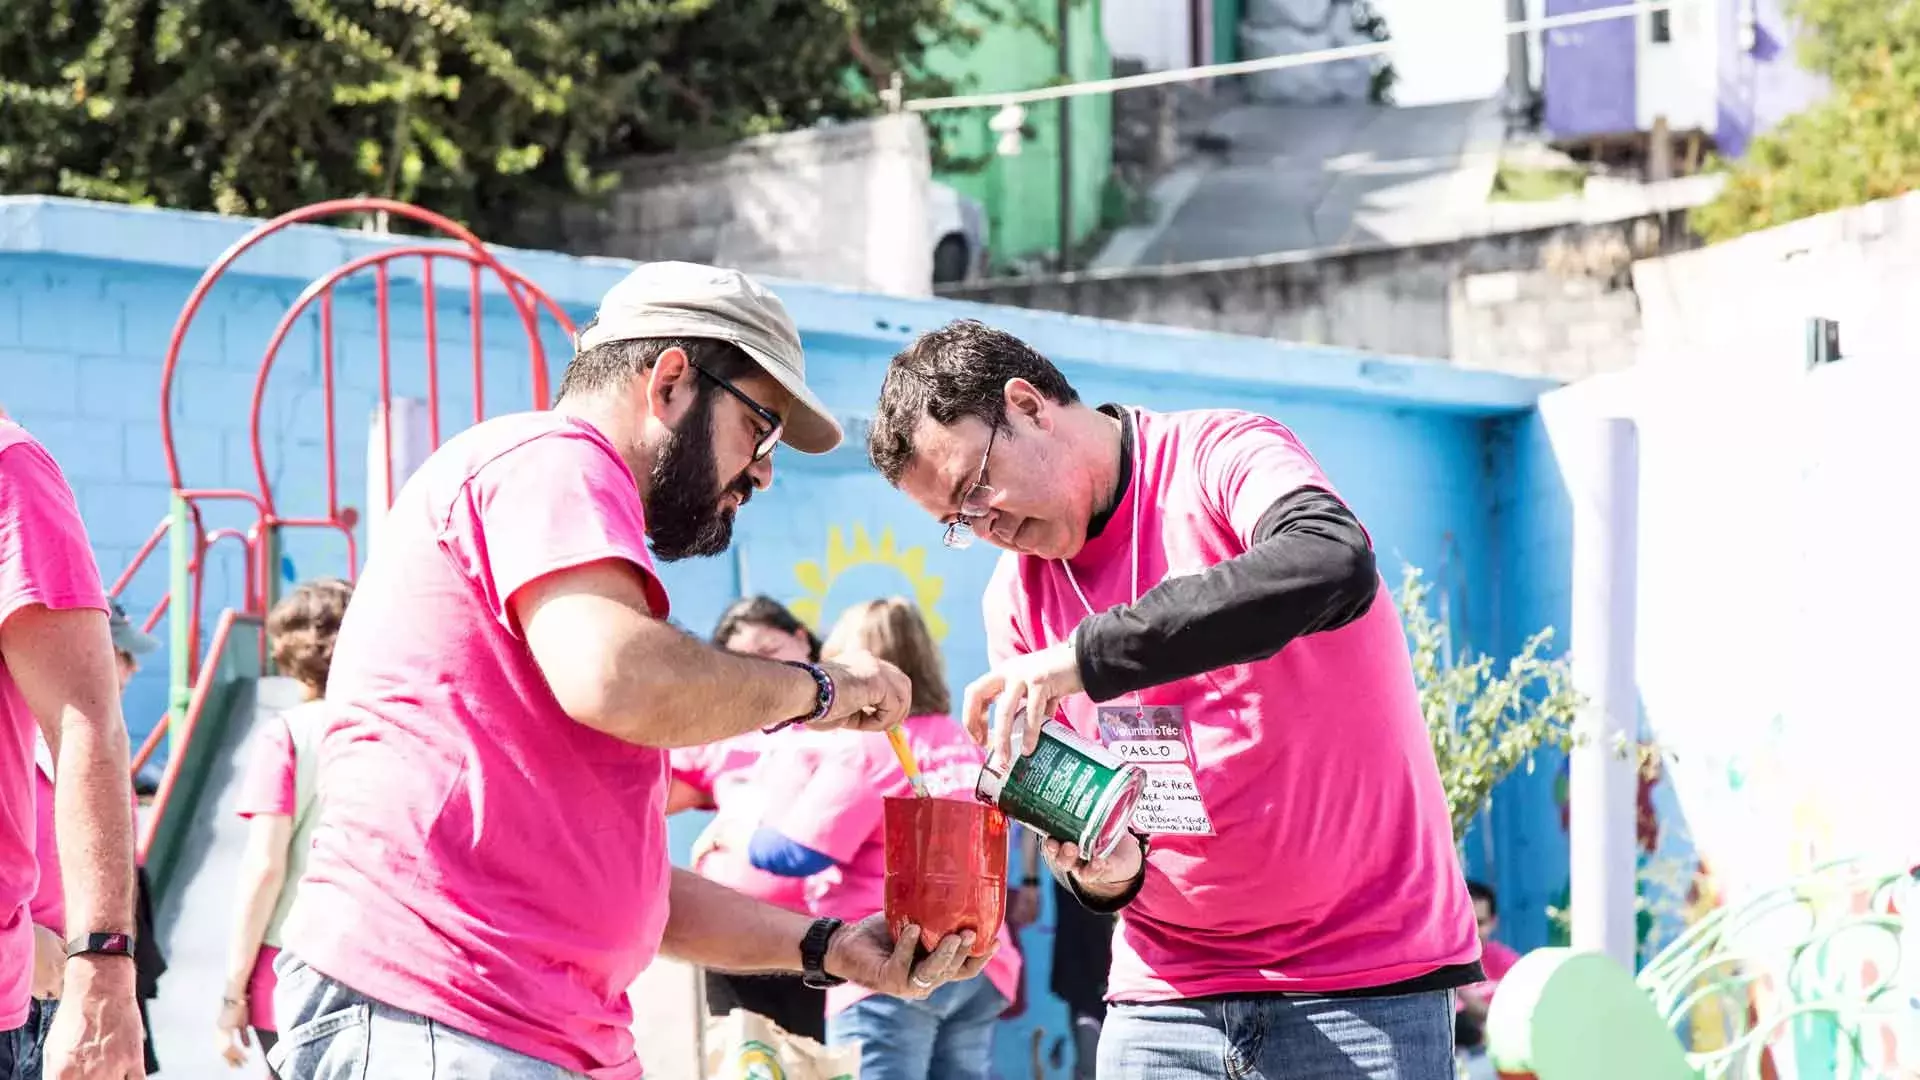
{"points": [[1555, 300], [838, 205], [1567, 326], [1415, 447]]}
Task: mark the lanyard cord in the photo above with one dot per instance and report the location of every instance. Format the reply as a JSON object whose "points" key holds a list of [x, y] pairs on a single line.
{"points": [[1133, 542]]}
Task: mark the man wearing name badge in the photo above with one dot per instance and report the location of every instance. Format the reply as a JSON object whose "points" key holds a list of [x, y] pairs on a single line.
{"points": [[1189, 588], [490, 873]]}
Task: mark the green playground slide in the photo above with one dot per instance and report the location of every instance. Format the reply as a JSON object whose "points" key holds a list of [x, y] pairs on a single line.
{"points": [[194, 847]]}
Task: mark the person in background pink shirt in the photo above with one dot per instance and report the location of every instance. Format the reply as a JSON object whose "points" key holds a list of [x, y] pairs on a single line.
{"points": [[835, 829], [281, 803], [1189, 588], [57, 674], [725, 777], [491, 873], [1474, 1001]]}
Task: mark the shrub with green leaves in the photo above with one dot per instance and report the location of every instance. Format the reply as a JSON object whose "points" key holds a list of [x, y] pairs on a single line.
{"points": [[1859, 144], [1485, 721]]}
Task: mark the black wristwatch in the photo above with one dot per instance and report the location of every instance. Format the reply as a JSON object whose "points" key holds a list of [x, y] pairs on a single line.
{"points": [[822, 697], [101, 945], [813, 954]]}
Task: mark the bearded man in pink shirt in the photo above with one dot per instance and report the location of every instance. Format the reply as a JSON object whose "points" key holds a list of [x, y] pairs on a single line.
{"points": [[490, 873], [1189, 589]]}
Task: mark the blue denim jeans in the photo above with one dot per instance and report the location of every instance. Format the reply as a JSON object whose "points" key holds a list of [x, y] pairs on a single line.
{"points": [[22, 1048], [1405, 1037], [330, 1032], [948, 1036]]}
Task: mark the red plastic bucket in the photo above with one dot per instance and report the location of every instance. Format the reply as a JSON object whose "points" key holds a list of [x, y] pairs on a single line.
{"points": [[946, 869]]}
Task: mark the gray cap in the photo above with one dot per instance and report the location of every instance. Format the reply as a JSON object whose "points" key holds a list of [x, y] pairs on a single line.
{"points": [[126, 637], [688, 300]]}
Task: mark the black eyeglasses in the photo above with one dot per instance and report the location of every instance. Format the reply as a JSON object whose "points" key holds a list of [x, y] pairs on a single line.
{"points": [[770, 428], [974, 503]]}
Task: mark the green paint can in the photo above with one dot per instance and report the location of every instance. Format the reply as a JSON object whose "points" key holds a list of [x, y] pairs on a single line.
{"points": [[1073, 790]]}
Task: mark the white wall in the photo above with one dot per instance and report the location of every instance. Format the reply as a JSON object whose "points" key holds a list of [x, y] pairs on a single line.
{"points": [[1678, 78], [1156, 32], [1741, 307], [1779, 513], [1446, 50], [1776, 627], [840, 205]]}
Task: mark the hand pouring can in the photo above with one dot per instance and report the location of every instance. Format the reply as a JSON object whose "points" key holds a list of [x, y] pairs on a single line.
{"points": [[1069, 788]]}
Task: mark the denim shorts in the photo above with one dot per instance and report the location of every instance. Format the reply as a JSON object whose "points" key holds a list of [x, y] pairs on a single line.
{"points": [[330, 1032], [22, 1049]]}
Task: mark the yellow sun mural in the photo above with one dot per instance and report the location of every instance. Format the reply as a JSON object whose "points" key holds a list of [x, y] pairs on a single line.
{"points": [[816, 579]]}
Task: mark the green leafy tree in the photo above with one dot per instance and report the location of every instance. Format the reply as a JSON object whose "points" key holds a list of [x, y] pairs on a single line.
{"points": [[484, 110], [1484, 722], [1859, 144]]}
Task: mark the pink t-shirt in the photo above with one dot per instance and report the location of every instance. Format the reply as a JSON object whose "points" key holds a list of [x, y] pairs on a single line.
{"points": [[1330, 864], [268, 784], [45, 560], [483, 860], [841, 813], [1497, 960], [730, 773]]}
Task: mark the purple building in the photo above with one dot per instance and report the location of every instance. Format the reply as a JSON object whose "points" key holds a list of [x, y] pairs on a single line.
{"points": [[1723, 67]]}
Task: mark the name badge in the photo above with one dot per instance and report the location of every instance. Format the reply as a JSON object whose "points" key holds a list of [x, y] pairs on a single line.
{"points": [[1156, 739]]}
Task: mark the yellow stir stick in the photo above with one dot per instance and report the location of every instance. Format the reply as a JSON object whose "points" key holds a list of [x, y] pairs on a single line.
{"points": [[897, 735]]}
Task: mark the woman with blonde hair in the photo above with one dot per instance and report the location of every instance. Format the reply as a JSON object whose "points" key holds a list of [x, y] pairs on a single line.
{"points": [[278, 798], [836, 823]]}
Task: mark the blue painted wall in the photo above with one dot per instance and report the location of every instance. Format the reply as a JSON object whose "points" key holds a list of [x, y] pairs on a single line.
{"points": [[88, 295], [1520, 848]]}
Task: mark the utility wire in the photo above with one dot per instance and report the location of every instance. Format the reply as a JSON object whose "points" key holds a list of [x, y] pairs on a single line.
{"points": [[1265, 63]]}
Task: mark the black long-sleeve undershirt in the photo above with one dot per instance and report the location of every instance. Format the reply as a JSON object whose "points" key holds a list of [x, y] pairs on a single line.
{"points": [[1310, 569]]}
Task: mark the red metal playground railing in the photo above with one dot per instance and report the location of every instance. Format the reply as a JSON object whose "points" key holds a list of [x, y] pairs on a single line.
{"points": [[190, 540]]}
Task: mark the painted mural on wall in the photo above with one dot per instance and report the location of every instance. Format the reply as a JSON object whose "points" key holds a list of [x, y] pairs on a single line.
{"points": [[848, 563], [1772, 658]]}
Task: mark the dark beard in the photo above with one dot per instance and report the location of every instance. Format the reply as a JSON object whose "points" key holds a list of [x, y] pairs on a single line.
{"points": [[685, 517]]}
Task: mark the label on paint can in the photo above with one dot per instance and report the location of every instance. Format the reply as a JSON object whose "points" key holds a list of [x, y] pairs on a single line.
{"points": [[1069, 788]]}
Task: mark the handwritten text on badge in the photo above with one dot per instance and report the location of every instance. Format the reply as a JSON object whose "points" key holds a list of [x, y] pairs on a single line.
{"points": [[1156, 739]]}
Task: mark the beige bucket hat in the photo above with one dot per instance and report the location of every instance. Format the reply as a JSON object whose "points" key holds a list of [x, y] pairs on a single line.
{"points": [[688, 300]]}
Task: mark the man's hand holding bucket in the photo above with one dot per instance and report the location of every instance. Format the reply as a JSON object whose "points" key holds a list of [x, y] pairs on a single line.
{"points": [[867, 953]]}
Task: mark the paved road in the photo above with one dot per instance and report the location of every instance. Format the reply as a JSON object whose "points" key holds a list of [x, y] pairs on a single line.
{"points": [[1302, 177]]}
